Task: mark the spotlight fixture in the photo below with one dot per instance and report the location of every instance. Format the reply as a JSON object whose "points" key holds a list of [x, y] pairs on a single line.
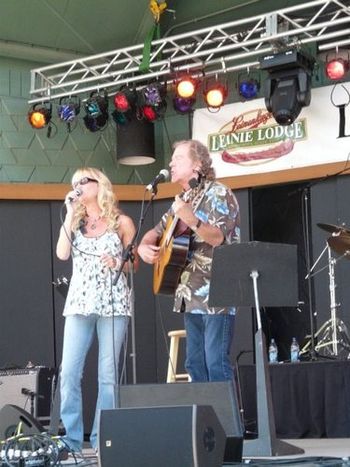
{"points": [[183, 105], [40, 115], [248, 87], [151, 102], [337, 68], [288, 87], [186, 87], [125, 99], [68, 109], [96, 108], [149, 113], [215, 94]]}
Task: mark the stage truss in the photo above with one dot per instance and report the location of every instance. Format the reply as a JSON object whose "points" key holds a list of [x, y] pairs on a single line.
{"points": [[227, 47]]}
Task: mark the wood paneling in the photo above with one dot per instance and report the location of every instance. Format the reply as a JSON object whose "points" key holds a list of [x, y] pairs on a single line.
{"points": [[54, 191]]}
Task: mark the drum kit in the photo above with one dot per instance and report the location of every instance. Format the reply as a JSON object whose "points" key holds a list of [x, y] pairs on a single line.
{"points": [[333, 338]]}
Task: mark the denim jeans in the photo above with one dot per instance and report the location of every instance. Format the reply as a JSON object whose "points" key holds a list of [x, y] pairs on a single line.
{"points": [[208, 343], [78, 337]]}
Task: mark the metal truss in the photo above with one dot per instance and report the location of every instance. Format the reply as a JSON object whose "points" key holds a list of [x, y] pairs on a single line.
{"points": [[213, 50]]}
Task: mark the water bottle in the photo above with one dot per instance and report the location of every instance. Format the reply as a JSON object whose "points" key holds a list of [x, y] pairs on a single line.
{"points": [[273, 352], [294, 351]]}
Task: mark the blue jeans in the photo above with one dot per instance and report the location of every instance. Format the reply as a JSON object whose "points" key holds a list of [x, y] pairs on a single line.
{"points": [[78, 337], [208, 343]]}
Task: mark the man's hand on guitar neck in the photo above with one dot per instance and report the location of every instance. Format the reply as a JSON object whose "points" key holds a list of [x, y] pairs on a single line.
{"points": [[184, 211]]}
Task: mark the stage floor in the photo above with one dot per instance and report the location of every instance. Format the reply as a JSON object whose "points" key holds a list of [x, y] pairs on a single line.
{"points": [[318, 452]]}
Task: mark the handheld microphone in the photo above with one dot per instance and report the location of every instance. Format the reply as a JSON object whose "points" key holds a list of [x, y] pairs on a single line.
{"points": [[77, 193], [163, 176]]}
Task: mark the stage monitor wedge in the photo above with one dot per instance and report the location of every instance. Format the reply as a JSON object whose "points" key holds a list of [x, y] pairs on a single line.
{"points": [[186, 436], [221, 396]]}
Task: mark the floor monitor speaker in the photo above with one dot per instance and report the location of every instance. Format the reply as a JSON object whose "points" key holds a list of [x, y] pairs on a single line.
{"points": [[11, 416], [221, 396], [186, 436]]}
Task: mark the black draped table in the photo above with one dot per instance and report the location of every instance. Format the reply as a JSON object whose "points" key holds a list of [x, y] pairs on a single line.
{"points": [[310, 399]]}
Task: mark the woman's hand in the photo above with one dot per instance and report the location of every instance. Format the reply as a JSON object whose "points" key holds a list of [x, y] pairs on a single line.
{"points": [[110, 261]]}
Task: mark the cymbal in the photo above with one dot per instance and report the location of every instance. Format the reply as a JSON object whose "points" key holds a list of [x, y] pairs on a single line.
{"points": [[333, 228], [340, 245]]}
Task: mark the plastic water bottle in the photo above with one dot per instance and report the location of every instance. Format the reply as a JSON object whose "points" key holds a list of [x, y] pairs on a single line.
{"points": [[294, 351], [273, 352]]}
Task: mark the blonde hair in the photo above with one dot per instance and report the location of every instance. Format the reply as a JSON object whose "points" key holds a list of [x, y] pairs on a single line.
{"points": [[199, 153], [106, 199]]}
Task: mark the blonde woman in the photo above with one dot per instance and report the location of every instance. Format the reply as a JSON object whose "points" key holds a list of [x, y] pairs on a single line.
{"points": [[94, 233]]}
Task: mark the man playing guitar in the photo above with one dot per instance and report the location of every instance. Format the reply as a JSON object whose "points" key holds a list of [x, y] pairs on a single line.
{"points": [[209, 212]]}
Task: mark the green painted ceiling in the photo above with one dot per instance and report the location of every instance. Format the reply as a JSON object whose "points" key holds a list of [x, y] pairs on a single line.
{"points": [[87, 27]]}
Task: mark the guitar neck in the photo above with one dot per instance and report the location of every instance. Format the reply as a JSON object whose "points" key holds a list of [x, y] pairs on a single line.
{"points": [[171, 229]]}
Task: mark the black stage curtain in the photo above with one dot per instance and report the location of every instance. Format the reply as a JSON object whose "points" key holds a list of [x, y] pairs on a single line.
{"points": [[310, 399]]}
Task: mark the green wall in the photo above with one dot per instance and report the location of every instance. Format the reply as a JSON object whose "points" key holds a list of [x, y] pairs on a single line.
{"points": [[29, 156]]}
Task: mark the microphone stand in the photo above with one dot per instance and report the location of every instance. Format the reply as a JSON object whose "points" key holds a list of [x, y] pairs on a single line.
{"points": [[129, 256]]}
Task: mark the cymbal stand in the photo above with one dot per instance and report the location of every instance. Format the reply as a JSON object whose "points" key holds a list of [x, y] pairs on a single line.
{"points": [[333, 303], [333, 336]]}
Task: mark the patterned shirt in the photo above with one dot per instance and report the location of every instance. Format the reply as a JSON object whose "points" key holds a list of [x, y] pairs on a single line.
{"points": [[218, 207], [91, 290]]}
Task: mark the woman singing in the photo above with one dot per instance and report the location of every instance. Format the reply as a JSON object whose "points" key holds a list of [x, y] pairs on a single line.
{"points": [[95, 234]]}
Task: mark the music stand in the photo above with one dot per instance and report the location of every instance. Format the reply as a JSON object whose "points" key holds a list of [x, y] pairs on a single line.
{"points": [[236, 271]]}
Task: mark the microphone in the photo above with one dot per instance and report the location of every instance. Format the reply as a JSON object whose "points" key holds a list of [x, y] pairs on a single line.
{"points": [[77, 193], [163, 176], [27, 392]]}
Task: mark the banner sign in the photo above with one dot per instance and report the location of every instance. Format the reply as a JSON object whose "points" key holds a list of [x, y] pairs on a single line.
{"points": [[243, 138]]}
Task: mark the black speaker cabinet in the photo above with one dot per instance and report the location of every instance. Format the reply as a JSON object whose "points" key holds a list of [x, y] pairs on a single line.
{"points": [[11, 416], [221, 396], [186, 436]]}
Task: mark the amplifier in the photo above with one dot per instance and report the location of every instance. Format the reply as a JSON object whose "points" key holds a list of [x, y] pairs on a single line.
{"points": [[28, 388]]}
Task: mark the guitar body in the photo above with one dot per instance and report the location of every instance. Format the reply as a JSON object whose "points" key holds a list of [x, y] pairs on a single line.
{"points": [[172, 260]]}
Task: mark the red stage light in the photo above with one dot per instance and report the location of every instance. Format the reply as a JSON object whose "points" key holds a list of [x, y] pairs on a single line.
{"points": [[337, 68], [149, 113], [121, 102]]}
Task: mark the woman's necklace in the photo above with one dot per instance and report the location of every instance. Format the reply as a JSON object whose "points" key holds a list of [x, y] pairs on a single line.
{"points": [[93, 223]]}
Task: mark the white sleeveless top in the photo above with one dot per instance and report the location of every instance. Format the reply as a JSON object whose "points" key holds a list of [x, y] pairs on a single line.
{"points": [[91, 290]]}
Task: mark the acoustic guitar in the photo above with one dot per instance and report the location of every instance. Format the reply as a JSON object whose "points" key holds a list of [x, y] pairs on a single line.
{"points": [[172, 260]]}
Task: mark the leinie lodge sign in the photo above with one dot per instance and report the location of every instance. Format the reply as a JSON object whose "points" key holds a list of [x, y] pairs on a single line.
{"points": [[244, 138]]}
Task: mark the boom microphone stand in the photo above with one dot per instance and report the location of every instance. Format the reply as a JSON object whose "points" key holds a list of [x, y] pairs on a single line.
{"points": [[128, 255]]}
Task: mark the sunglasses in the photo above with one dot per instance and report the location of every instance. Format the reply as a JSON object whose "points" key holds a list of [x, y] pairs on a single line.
{"points": [[83, 181]]}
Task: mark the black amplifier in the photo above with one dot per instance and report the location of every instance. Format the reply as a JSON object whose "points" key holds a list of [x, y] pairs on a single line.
{"points": [[28, 388]]}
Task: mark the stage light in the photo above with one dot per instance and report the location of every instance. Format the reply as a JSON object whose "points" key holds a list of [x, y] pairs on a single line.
{"points": [[288, 87], [153, 94], [96, 108], [186, 87], [120, 118], [125, 99], [337, 68], [215, 95], [248, 88], [40, 115], [68, 109], [182, 105], [152, 102], [149, 113]]}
